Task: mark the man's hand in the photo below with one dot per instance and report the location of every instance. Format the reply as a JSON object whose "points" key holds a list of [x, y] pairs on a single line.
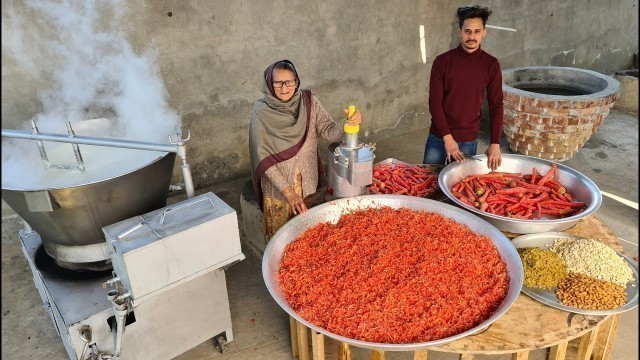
{"points": [[452, 149], [494, 157]]}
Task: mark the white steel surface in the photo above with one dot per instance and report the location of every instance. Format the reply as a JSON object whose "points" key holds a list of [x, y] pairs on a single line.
{"points": [[166, 325], [171, 260], [169, 245]]}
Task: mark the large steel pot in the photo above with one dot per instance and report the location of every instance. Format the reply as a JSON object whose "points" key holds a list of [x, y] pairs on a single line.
{"points": [[576, 183], [69, 219], [333, 210]]}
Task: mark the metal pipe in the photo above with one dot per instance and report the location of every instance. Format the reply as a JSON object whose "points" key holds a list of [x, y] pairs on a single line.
{"points": [[122, 298], [89, 140], [186, 172], [121, 314], [120, 311], [186, 169], [350, 140]]}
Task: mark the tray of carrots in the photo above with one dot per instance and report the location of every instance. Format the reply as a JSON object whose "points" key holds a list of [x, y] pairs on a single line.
{"points": [[392, 176], [517, 195]]}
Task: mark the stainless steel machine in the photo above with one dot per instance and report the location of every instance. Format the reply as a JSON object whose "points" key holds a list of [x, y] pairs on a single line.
{"points": [[350, 164], [166, 292]]}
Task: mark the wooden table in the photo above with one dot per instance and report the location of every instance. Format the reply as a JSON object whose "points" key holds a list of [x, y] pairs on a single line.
{"points": [[526, 326]]}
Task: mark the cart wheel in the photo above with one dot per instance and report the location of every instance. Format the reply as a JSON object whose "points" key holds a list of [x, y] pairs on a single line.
{"points": [[220, 343]]}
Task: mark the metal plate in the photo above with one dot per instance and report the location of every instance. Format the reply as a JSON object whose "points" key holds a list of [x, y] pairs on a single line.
{"points": [[333, 210], [548, 297], [582, 188], [433, 168]]}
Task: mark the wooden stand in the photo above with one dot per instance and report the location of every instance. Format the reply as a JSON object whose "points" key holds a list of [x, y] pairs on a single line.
{"points": [[526, 326]]}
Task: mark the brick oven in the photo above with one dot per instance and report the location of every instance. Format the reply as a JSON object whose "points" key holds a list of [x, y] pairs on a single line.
{"points": [[550, 112]]}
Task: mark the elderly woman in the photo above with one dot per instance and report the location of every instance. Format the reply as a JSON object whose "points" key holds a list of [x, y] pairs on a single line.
{"points": [[283, 140]]}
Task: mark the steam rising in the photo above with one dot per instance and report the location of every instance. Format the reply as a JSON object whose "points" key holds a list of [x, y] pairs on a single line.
{"points": [[92, 72]]}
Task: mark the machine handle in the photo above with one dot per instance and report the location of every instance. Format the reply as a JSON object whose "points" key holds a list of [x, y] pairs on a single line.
{"points": [[351, 129], [352, 110], [169, 209], [136, 227], [162, 215], [131, 229]]}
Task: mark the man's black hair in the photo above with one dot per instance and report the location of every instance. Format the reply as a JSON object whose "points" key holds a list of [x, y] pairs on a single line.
{"points": [[470, 12]]}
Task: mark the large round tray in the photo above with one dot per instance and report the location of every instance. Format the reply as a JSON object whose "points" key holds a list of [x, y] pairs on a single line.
{"points": [[548, 297], [582, 188], [333, 210]]}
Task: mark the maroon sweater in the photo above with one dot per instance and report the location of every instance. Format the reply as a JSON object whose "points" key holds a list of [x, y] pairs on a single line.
{"points": [[457, 85]]}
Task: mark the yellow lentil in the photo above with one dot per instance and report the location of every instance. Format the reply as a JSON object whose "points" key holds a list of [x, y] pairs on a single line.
{"points": [[542, 268]]}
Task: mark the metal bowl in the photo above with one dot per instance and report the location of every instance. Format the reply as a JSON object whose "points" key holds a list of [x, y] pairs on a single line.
{"points": [[333, 210], [580, 186], [69, 209]]}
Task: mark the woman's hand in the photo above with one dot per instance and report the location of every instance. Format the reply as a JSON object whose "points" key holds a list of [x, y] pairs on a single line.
{"points": [[355, 119], [295, 201]]}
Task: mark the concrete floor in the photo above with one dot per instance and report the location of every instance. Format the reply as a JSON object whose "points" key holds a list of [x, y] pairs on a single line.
{"points": [[260, 327]]}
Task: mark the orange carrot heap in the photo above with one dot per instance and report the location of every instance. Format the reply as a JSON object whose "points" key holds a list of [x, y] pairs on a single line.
{"points": [[516, 196]]}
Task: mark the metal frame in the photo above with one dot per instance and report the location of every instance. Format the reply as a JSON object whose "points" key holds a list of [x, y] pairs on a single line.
{"points": [[178, 146]]}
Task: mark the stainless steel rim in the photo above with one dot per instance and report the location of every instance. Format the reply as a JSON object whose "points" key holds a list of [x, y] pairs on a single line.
{"points": [[592, 208], [275, 248]]}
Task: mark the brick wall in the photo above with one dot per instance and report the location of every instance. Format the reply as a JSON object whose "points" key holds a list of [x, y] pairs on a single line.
{"points": [[552, 129]]}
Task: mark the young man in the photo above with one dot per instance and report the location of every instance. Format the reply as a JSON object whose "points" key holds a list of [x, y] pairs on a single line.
{"points": [[459, 78]]}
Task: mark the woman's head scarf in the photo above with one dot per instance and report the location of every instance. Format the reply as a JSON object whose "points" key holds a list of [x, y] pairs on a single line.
{"points": [[277, 129]]}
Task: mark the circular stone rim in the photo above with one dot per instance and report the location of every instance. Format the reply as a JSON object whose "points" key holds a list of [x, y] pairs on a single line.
{"points": [[613, 85]]}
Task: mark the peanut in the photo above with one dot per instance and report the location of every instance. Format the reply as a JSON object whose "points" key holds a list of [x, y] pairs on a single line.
{"points": [[585, 292]]}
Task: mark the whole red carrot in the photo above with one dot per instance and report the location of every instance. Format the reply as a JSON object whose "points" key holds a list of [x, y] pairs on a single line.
{"points": [[556, 186], [515, 190], [549, 175]]}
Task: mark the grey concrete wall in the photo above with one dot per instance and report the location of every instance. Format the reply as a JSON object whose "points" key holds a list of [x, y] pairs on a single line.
{"points": [[211, 55]]}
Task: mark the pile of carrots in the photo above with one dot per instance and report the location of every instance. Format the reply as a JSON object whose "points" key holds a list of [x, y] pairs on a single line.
{"points": [[518, 196], [403, 179], [395, 276]]}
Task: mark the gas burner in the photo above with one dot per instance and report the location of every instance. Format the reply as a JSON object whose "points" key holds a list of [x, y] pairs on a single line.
{"points": [[47, 264]]}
